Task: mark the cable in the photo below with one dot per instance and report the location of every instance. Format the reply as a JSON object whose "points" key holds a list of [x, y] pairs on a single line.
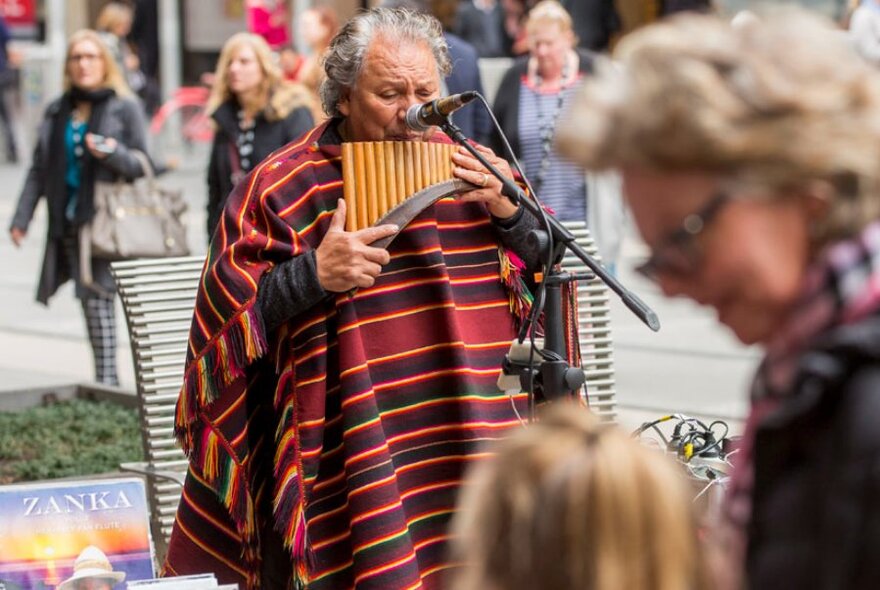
{"points": [[529, 327], [691, 438]]}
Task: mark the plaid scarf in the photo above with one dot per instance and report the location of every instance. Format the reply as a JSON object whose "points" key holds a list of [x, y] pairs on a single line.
{"points": [[842, 288]]}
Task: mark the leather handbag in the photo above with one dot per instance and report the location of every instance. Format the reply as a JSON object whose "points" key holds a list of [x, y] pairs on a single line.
{"points": [[136, 219]]}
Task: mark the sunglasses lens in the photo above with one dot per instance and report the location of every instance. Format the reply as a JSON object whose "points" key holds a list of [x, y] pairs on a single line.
{"points": [[673, 261]]}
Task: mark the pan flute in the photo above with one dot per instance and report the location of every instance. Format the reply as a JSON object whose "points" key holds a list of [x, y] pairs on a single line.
{"points": [[384, 178]]}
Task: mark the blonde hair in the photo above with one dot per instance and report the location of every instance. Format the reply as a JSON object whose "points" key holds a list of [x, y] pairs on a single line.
{"points": [[572, 504], [777, 102], [279, 97], [112, 75], [549, 11]]}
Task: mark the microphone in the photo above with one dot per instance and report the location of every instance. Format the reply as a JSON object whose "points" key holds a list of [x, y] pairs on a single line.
{"points": [[421, 117]]}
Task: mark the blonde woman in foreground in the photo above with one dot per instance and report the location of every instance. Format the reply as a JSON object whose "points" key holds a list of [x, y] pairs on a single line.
{"points": [[571, 504], [750, 157]]}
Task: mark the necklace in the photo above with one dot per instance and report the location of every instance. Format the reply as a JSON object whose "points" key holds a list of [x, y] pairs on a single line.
{"points": [[547, 124]]}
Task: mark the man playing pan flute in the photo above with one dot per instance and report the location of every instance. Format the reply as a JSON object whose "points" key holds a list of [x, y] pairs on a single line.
{"points": [[335, 392]]}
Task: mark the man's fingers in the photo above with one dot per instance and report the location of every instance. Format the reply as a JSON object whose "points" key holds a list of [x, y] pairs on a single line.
{"points": [[369, 235], [484, 150], [365, 281], [466, 160], [377, 255], [373, 269], [337, 222]]}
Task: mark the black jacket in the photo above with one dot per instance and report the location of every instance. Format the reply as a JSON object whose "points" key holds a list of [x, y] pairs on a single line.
{"points": [[122, 120], [816, 502], [268, 137], [595, 22], [472, 119], [506, 107]]}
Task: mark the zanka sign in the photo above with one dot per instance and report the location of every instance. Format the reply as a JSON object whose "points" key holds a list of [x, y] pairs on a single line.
{"points": [[18, 13]]}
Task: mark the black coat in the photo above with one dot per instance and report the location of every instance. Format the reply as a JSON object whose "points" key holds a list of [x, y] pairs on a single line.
{"points": [[472, 119], [594, 21], [122, 120], [506, 107], [268, 137], [816, 502]]}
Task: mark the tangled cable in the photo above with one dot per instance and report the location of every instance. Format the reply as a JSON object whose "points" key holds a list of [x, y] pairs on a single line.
{"points": [[702, 448]]}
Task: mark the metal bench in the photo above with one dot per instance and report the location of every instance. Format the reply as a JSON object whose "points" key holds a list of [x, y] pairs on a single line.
{"points": [[158, 296], [594, 328]]}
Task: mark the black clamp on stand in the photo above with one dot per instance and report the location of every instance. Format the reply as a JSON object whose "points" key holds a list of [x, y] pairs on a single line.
{"points": [[555, 376]]}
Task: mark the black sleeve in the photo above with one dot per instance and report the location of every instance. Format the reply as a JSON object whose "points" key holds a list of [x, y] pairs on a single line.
{"points": [[34, 186], [289, 289], [513, 233], [122, 161], [504, 111], [298, 122], [214, 197]]}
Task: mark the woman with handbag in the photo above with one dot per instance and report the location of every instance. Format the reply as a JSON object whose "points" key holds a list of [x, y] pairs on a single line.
{"points": [[87, 136], [255, 112]]}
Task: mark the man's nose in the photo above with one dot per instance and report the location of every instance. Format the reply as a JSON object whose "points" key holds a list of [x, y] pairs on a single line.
{"points": [[405, 104]]}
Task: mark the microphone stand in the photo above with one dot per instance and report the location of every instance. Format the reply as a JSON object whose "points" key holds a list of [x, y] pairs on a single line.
{"points": [[556, 378]]}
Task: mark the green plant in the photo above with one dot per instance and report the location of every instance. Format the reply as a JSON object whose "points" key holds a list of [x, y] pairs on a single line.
{"points": [[67, 439]]}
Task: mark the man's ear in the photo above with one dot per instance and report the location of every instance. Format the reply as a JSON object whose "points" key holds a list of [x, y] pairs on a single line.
{"points": [[344, 104]]}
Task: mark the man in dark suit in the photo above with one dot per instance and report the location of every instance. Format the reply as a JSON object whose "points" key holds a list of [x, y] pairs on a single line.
{"points": [[595, 22], [480, 23], [472, 119]]}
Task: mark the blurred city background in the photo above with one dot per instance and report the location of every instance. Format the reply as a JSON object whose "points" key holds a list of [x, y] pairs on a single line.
{"points": [[691, 366]]}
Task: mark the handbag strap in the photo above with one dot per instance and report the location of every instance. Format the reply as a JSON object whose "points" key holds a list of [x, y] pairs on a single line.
{"points": [[146, 164]]}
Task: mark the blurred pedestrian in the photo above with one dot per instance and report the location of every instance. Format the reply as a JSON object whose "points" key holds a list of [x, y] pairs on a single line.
{"points": [[573, 504], [751, 164], [8, 77], [479, 22], [144, 40], [317, 26], [291, 63], [513, 31], [69, 158], [472, 119], [531, 99], [596, 22], [269, 20], [255, 112], [114, 23]]}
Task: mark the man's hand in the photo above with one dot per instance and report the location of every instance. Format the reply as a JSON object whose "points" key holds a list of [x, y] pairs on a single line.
{"points": [[345, 260], [469, 168]]}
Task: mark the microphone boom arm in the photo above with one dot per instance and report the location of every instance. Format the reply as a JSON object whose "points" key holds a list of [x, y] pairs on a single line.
{"points": [[560, 233]]}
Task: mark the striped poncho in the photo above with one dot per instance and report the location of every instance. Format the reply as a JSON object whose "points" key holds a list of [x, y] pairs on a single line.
{"points": [[345, 434]]}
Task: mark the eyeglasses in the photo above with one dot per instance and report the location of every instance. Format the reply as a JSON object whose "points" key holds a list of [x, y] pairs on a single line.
{"points": [[677, 254], [78, 57]]}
